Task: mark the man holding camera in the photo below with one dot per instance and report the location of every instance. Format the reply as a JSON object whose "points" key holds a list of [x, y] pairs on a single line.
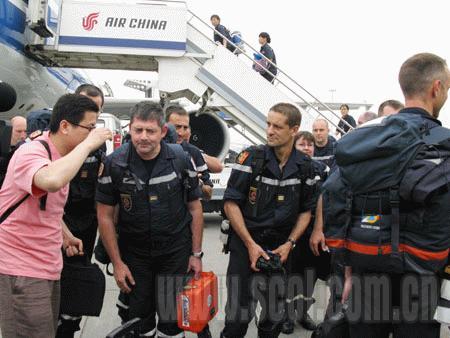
{"points": [[268, 201]]}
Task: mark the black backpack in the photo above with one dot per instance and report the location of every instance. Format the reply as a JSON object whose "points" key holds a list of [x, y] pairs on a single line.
{"points": [[378, 204]]}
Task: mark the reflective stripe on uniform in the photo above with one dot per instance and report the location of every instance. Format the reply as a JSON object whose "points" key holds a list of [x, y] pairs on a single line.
{"points": [[192, 173], [278, 183], [163, 335], [321, 158], [434, 160], [313, 181], [162, 179], [202, 168], [131, 181], [105, 180], [244, 168], [91, 159], [291, 181]]}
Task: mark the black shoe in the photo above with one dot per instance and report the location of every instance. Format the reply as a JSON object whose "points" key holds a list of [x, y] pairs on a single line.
{"points": [[308, 323], [287, 327]]}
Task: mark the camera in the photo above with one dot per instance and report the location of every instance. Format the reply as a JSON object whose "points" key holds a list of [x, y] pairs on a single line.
{"points": [[273, 265]]}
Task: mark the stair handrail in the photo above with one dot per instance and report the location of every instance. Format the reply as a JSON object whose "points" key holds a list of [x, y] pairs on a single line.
{"points": [[243, 52]]}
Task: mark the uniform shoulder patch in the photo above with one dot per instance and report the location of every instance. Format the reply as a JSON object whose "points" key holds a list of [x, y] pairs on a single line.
{"points": [[35, 134], [242, 157]]}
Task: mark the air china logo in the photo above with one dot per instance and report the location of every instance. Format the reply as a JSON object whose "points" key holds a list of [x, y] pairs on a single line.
{"points": [[90, 21]]}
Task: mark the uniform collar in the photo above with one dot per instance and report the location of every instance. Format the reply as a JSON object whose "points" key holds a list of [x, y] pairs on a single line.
{"points": [[295, 160], [130, 159], [420, 112], [165, 156]]}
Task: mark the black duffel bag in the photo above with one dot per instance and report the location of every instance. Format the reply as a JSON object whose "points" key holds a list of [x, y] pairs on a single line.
{"points": [[82, 289]]}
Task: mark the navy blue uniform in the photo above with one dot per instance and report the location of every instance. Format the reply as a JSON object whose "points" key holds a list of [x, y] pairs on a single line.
{"points": [[270, 201], [199, 162], [326, 153], [226, 33], [303, 259], [416, 308], [350, 120], [81, 218], [154, 225], [268, 52]]}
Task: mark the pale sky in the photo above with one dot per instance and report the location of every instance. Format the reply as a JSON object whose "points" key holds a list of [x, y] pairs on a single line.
{"points": [[354, 47]]}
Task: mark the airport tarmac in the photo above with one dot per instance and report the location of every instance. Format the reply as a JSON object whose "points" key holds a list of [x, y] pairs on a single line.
{"points": [[214, 260]]}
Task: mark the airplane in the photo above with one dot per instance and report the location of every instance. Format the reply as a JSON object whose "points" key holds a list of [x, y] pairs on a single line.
{"points": [[34, 85], [26, 85]]}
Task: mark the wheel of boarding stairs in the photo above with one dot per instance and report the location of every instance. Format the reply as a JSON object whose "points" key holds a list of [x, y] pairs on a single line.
{"points": [[130, 329]]}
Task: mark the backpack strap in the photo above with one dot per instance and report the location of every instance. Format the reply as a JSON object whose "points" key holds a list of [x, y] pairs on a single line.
{"points": [[258, 165], [394, 198], [180, 165], [43, 199]]}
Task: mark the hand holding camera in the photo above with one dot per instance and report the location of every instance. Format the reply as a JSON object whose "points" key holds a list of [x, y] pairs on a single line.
{"points": [[270, 266]]}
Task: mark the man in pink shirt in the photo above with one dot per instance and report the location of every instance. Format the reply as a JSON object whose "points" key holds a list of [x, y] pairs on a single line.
{"points": [[31, 236]]}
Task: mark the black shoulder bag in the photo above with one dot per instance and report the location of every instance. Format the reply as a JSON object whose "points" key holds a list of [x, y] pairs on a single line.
{"points": [[43, 199]]}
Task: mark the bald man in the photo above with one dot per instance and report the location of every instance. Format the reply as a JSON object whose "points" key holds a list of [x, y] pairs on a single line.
{"points": [[19, 129], [365, 117], [324, 143]]}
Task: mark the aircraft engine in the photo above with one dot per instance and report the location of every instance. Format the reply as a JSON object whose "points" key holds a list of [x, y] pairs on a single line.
{"points": [[210, 133], [8, 97]]}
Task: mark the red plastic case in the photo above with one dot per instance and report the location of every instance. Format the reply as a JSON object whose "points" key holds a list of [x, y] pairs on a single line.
{"points": [[197, 303]]}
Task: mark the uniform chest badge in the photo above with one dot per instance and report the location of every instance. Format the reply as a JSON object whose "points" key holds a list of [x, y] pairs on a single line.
{"points": [[242, 157], [127, 203], [84, 174], [252, 195], [153, 198]]}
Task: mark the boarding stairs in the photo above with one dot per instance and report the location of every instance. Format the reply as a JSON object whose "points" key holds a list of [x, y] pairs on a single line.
{"points": [[164, 36]]}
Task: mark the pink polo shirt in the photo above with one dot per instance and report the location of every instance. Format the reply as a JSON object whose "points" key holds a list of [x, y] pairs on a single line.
{"points": [[31, 239]]}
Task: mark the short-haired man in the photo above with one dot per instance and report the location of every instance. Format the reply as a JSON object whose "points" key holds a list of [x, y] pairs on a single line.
{"points": [[346, 122], [218, 28], [30, 237], [390, 107], [93, 92], [268, 202], [80, 215], [160, 222], [19, 129], [425, 80], [325, 144], [366, 117], [18, 132], [179, 118]]}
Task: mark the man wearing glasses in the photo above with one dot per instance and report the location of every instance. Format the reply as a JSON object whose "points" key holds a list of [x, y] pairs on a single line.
{"points": [[32, 235], [80, 214]]}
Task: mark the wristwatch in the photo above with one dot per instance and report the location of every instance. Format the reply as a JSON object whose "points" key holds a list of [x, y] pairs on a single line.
{"points": [[290, 240], [197, 254]]}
